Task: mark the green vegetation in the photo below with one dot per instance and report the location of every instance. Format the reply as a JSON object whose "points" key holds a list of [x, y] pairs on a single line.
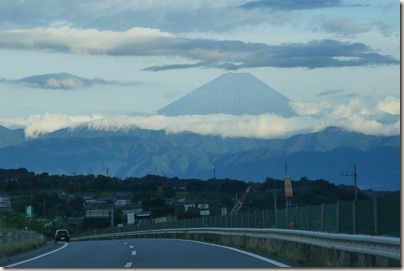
{"points": [[60, 197], [7, 251]]}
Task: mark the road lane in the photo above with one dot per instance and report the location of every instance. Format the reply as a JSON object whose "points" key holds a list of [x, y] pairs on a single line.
{"points": [[147, 253], [164, 253], [93, 254]]}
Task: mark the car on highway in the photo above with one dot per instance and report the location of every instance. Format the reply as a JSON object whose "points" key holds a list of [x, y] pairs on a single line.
{"points": [[62, 235]]}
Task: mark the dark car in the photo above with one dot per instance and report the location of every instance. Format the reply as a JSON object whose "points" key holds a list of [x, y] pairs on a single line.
{"points": [[62, 235]]}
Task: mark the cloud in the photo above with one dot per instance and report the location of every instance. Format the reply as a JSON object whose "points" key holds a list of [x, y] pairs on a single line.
{"points": [[341, 26], [310, 109], [330, 92], [223, 54], [175, 67], [37, 125], [63, 81], [366, 116], [373, 117], [384, 28], [390, 105], [386, 6], [291, 4], [259, 126], [178, 16], [84, 41], [346, 107]]}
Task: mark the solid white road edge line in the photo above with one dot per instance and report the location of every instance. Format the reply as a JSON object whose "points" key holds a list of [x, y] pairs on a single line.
{"points": [[243, 252], [37, 257]]}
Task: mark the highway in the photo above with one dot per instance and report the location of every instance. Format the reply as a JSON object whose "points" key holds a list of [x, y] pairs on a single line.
{"points": [[145, 253]]}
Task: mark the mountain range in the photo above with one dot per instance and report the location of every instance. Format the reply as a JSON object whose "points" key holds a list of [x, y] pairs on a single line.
{"points": [[139, 152], [321, 155]]}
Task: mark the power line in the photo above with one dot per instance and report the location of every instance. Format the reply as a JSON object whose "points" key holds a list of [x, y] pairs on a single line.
{"points": [[354, 174], [385, 175]]}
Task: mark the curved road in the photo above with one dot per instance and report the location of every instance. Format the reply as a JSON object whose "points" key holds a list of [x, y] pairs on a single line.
{"points": [[146, 253]]}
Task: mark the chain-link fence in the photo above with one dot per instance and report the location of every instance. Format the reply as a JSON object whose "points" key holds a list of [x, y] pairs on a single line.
{"points": [[370, 217]]}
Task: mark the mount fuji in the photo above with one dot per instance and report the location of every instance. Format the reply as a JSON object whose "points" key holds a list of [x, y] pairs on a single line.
{"points": [[137, 152], [234, 94]]}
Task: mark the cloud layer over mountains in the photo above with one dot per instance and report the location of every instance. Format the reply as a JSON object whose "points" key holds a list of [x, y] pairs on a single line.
{"points": [[381, 118]]}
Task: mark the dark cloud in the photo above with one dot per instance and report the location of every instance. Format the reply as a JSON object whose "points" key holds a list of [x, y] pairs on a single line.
{"points": [[315, 54], [330, 92], [291, 4], [174, 67]]}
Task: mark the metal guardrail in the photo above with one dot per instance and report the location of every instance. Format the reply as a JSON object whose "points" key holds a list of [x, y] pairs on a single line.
{"points": [[388, 247]]}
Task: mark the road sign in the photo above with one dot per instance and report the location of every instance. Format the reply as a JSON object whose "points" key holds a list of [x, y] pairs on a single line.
{"points": [[288, 187], [203, 206], [205, 212], [99, 213], [29, 211]]}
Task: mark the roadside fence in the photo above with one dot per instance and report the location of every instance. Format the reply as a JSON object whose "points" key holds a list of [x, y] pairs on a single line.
{"points": [[379, 217]]}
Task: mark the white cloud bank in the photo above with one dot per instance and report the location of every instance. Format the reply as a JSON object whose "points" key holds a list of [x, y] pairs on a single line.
{"points": [[389, 105], [354, 115], [37, 125]]}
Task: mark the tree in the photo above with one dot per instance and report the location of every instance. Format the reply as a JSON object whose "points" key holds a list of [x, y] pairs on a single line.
{"points": [[168, 192]]}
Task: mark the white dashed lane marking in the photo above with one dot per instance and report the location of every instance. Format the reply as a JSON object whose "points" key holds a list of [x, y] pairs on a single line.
{"points": [[128, 264]]}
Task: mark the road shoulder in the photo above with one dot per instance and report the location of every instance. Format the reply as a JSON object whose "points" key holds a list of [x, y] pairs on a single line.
{"points": [[49, 246]]}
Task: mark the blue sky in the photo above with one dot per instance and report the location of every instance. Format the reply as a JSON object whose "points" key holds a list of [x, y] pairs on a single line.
{"points": [[337, 60]]}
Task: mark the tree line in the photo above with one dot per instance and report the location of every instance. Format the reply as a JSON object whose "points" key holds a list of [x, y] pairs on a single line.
{"points": [[61, 196]]}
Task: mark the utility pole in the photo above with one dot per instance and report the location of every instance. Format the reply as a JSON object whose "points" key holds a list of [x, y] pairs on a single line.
{"points": [[44, 204], [354, 174], [275, 196], [275, 207], [286, 174], [286, 169]]}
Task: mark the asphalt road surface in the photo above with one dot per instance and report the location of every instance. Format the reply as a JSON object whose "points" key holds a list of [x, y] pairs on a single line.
{"points": [[145, 253]]}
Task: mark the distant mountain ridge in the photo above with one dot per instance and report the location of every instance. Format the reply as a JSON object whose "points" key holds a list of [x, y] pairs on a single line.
{"points": [[234, 94], [11, 137], [325, 140], [140, 152]]}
